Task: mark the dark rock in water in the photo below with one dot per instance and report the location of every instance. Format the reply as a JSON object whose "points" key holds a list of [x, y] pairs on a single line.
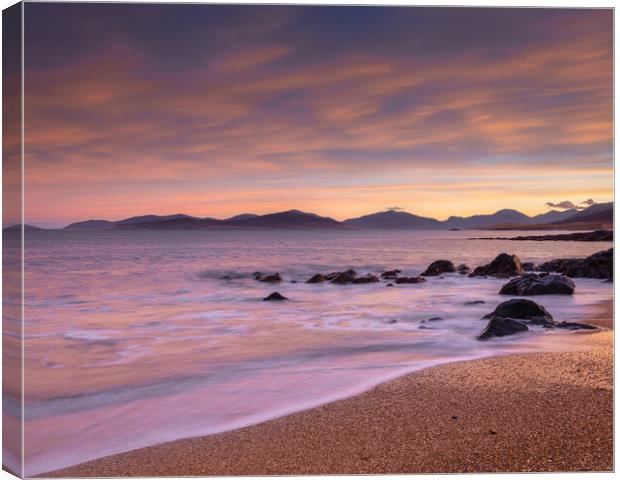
{"points": [[532, 284], [342, 278], [501, 326], [576, 326], [226, 277], [293, 281], [433, 319], [474, 302], [522, 309], [504, 265], [390, 285], [317, 278], [402, 280], [597, 265], [392, 320], [390, 274], [438, 267], [257, 275], [270, 278], [275, 296], [368, 278], [558, 265], [528, 266], [463, 269]]}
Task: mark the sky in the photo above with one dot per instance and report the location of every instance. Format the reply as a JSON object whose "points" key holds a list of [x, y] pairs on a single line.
{"points": [[219, 110]]}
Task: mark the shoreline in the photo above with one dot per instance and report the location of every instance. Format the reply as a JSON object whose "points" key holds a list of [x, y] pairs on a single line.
{"points": [[520, 412]]}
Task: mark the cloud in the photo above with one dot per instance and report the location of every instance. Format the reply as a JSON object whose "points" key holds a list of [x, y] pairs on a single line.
{"points": [[589, 202], [273, 103], [565, 205]]}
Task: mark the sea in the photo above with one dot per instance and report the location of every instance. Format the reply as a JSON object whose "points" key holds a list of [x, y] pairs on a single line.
{"points": [[133, 338]]}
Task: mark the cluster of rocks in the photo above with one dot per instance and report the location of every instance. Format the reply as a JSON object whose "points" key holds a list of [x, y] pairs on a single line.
{"points": [[597, 265], [350, 277], [343, 278], [518, 315]]}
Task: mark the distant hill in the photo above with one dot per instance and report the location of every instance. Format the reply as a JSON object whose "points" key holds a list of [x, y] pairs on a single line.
{"points": [[242, 216], [484, 221], [18, 227], [91, 225], [289, 219], [553, 216], [394, 220], [594, 217], [601, 212], [153, 218]]}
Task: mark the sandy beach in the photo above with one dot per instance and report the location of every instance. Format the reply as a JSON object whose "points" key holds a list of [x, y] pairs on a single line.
{"points": [[517, 413]]}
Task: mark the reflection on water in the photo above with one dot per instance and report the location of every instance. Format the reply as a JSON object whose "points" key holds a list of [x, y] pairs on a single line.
{"points": [[134, 338]]}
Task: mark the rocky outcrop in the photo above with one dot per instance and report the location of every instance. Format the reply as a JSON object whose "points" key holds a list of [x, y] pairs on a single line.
{"points": [[521, 309], [533, 284], [502, 266], [368, 278], [598, 265], [390, 274], [438, 267], [268, 278], [527, 266], [342, 278], [463, 269], [576, 326], [401, 280], [316, 278], [501, 327], [275, 296], [595, 236]]}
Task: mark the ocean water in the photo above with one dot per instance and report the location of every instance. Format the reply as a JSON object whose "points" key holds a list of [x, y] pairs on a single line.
{"points": [[135, 338]]}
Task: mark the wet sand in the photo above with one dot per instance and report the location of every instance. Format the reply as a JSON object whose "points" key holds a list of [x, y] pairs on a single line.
{"points": [[518, 413]]}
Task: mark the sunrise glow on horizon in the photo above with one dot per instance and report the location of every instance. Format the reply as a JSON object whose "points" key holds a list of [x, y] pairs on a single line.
{"points": [[221, 110]]}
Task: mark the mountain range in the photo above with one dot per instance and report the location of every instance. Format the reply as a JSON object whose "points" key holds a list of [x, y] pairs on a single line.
{"points": [[596, 216]]}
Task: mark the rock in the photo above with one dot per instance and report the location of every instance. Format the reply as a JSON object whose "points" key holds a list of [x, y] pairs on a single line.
{"points": [[275, 296], [463, 269], [532, 284], [257, 275], [433, 319], [270, 278], [474, 302], [504, 265], [368, 278], [501, 326], [342, 278], [316, 278], [597, 265], [402, 280], [390, 285], [390, 274], [528, 266], [576, 326], [521, 309], [559, 265], [438, 267]]}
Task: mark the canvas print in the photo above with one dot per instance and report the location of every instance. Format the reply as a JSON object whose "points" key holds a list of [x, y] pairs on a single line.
{"points": [[296, 239]]}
